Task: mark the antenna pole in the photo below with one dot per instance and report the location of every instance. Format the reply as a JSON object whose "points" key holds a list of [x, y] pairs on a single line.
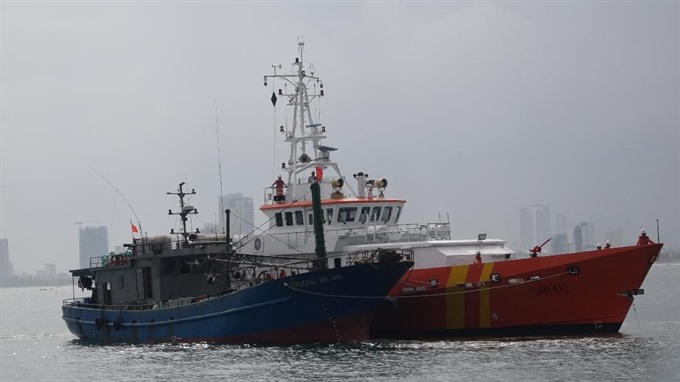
{"points": [[228, 232], [219, 156], [184, 211], [658, 238]]}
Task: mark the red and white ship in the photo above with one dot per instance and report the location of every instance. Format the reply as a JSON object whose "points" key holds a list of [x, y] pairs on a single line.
{"points": [[446, 294]]}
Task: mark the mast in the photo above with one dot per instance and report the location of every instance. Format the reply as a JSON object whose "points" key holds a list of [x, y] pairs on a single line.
{"points": [[320, 249], [185, 210], [301, 88]]}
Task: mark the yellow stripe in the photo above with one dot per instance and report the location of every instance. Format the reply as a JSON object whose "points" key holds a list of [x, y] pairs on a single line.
{"points": [[455, 303], [484, 314]]}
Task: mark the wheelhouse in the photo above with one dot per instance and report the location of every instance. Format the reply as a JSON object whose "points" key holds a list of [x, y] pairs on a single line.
{"points": [[340, 213]]}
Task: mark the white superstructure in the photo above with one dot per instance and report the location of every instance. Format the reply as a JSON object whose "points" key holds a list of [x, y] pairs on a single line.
{"points": [[355, 218]]}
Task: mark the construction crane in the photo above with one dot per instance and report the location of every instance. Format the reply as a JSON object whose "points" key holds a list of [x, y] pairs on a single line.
{"points": [[80, 223]]}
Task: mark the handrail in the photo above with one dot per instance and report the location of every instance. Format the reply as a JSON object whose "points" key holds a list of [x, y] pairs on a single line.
{"points": [[296, 267]]}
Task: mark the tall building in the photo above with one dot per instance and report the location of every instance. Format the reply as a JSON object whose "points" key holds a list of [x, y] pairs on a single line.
{"points": [[94, 242], [6, 267], [242, 214], [561, 224], [584, 237], [614, 236], [48, 271], [534, 225], [560, 244]]}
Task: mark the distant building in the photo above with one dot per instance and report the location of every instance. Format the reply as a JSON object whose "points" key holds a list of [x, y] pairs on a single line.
{"points": [[534, 225], [94, 242], [615, 237], [49, 271], [560, 224], [560, 244], [584, 237], [242, 214], [6, 267], [211, 228]]}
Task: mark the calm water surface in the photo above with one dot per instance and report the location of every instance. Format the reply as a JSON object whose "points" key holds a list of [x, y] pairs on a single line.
{"points": [[35, 345]]}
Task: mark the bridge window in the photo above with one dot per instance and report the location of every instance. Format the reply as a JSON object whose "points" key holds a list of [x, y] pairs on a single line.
{"points": [[289, 218], [396, 218], [299, 219], [387, 212], [364, 214], [279, 219], [375, 213], [347, 214], [329, 212]]}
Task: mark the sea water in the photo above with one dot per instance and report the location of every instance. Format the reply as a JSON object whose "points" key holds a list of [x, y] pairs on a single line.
{"points": [[36, 346]]}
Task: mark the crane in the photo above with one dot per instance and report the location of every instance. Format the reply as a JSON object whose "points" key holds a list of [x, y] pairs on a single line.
{"points": [[80, 223]]}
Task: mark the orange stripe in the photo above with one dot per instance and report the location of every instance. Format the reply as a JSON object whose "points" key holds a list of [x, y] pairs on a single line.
{"points": [[455, 303]]}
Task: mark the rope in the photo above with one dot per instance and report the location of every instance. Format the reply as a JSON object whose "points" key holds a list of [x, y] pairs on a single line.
{"points": [[636, 317], [389, 298], [330, 317], [331, 295]]}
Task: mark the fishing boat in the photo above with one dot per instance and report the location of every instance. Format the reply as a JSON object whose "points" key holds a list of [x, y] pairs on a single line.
{"points": [[197, 288], [446, 294]]}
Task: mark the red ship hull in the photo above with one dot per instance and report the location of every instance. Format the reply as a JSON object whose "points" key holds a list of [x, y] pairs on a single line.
{"points": [[585, 292]]}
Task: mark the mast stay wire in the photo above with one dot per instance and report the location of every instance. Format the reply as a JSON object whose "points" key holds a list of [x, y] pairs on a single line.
{"points": [[121, 195]]}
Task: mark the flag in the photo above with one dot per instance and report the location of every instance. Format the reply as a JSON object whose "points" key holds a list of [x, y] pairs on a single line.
{"points": [[134, 228], [319, 173]]}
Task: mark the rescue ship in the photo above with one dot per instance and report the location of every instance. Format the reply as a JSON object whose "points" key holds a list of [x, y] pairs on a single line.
{"points": [[446, 294], [197, 288]]}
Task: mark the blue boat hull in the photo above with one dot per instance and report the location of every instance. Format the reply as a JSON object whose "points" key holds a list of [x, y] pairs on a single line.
{"points": [[334, 305]]}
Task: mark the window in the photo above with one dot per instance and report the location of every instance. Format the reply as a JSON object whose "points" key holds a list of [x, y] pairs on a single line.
{"points": [[375, 213], [121, 282], [364, 214], [289, 218], [347, 214], [387, 212], [396, 217], [329, 212], [299, 219], [279, 219]]}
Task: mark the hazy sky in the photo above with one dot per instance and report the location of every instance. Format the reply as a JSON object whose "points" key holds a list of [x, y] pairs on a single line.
{"points": [[467, 108]]}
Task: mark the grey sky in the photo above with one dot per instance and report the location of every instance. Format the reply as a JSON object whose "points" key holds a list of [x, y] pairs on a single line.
{"points": [[470, 108]]}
